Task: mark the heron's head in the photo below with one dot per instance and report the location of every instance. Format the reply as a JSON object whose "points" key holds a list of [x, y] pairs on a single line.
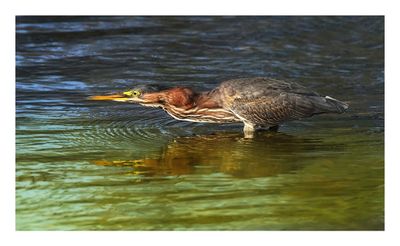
{"points": [[151, 95]]}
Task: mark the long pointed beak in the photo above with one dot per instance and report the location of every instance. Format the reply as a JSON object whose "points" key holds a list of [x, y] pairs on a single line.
{"points": [[115, 97]]}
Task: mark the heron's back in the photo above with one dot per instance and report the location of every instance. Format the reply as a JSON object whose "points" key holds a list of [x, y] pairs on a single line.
{"points": [[265, 101]]}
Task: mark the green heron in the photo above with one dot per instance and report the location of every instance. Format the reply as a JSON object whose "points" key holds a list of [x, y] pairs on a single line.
{"points": [[257, 102]]}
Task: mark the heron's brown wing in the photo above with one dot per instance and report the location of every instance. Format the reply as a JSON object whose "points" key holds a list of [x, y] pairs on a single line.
{"points": [[259, 86], [273, 110]]}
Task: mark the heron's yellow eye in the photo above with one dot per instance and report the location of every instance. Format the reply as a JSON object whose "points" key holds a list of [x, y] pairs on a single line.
{"points": [[132, 93]]}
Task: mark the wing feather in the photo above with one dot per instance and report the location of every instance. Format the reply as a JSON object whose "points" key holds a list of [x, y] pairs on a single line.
{"points": [[273, 110]]}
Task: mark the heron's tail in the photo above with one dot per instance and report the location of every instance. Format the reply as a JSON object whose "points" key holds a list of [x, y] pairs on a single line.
{"points": [[330, 105]]}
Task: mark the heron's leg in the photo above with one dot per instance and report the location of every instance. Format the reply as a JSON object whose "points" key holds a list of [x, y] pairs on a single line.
{"points": [[274, 128], [248, 130]]}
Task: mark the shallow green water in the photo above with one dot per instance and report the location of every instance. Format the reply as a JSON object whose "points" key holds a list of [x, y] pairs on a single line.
{"points": [[84, 165]]}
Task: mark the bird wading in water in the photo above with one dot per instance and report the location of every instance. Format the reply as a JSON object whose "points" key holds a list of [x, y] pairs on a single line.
{"points": [[257, 102]]}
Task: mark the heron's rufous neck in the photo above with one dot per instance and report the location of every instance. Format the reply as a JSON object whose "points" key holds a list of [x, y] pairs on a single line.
{"points": [[183, 98]]}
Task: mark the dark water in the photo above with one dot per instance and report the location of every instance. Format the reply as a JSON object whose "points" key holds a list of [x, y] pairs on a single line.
{"points": [[84, 165]]}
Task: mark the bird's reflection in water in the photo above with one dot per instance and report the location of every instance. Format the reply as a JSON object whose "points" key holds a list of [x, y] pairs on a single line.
{"points": [[268, 154]]}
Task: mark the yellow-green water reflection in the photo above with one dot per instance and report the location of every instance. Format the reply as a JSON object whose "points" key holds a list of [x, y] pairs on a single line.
{"points": [[216, 182]]}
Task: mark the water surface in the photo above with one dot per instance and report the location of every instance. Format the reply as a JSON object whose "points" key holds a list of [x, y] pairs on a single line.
{"points": [[84, 165]]}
